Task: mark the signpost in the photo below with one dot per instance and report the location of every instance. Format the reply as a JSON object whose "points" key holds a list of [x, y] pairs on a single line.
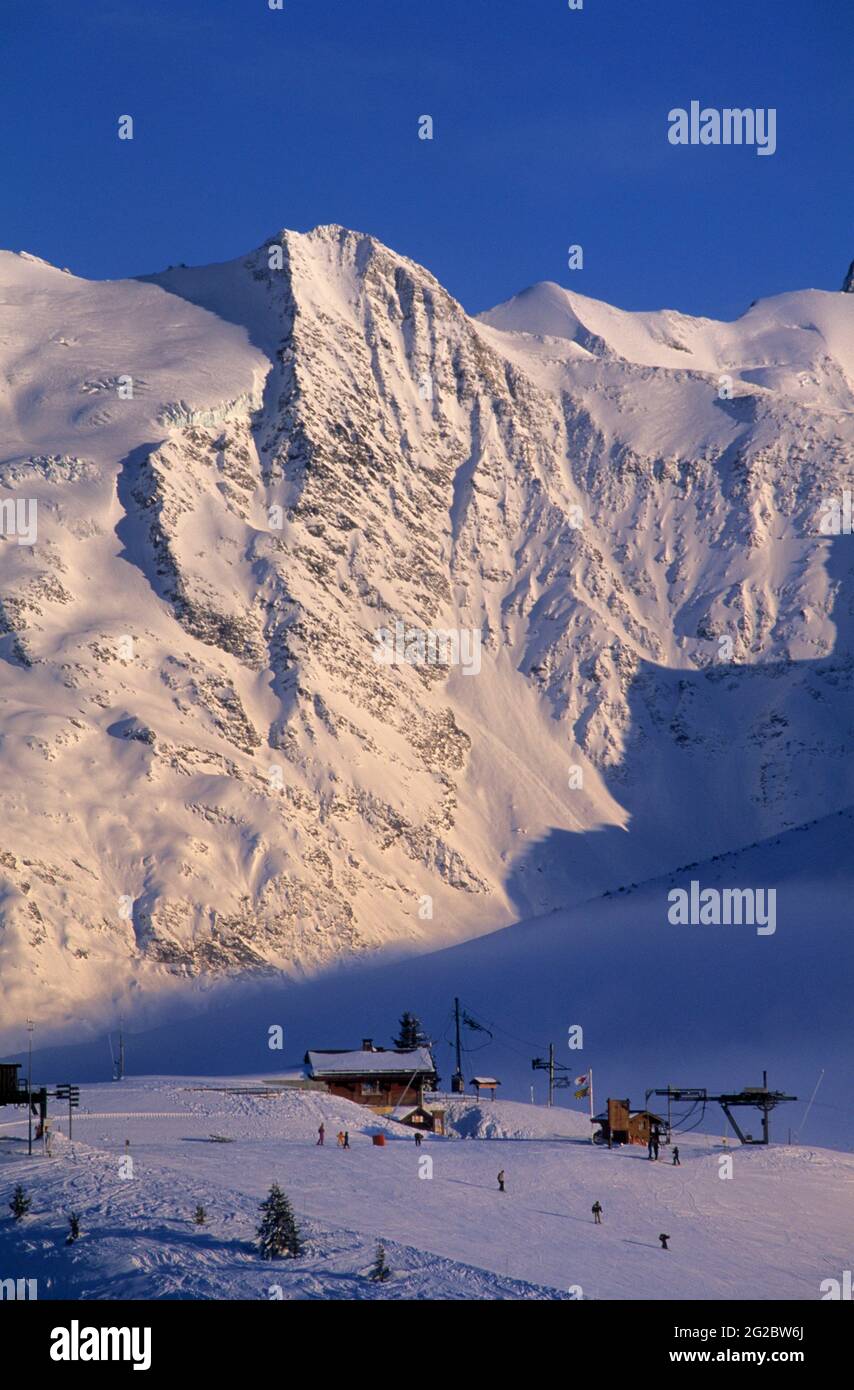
{"points": [[72, 1095]]}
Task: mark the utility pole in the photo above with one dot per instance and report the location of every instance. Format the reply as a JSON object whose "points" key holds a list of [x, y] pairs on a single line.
{"points": [[458, 1084], [539, 1064], [121, 1054], [30, 1027]]}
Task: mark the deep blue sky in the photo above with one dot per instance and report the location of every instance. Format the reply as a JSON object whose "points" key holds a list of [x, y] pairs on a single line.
{"points": [[550, 128]]}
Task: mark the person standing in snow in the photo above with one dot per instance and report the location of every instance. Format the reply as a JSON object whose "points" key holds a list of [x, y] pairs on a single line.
{"points": [[676, 1162], [664, 1239], [346, 1139], [417, 1140], [655, 1146], [649, 1147], [321, 1133], [597, 1212], [340, 1138], [501, 1181]]}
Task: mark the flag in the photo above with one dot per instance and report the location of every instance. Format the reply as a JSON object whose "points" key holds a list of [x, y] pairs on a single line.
{"points": [[580, 1095], [581, 1080]]}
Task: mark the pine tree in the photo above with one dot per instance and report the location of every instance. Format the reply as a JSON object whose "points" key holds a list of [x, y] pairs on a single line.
{"points": [[411, 1034], [20, 1203], [200, 1216], [380, 1271], [74, 1228], [278, 1234]]}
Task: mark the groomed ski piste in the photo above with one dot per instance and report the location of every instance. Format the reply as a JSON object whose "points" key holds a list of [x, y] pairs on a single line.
{"points": [[777, 1229]]}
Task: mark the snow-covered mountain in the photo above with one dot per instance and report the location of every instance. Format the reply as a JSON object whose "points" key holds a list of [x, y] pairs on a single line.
{"points": [[219, 483]]}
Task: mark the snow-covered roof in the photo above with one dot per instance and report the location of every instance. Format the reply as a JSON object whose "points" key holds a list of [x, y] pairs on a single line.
{"points": [[484, 1081], [371, 1063]]}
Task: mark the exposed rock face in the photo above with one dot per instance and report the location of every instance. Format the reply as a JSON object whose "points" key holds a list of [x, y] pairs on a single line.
{"points": [[206, 766]]}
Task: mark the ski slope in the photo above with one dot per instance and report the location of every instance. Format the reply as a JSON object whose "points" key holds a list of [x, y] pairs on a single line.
{"points": [[783, 1223]]}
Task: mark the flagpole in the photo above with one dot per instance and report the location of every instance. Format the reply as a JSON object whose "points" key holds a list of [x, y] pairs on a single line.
{"points": [[590, 1075]]}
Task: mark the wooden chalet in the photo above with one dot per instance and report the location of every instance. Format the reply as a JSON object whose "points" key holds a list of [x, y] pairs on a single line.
{"points": [[427, 1118], [380, 1077], [619, 1124]]}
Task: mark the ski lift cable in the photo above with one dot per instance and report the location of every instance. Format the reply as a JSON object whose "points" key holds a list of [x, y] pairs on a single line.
{"points": [[682, 1127], [482, 1019]]}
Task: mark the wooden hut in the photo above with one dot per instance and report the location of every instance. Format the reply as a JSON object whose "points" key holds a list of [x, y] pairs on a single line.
{"points": [[376, 1076], [485, 1083]]}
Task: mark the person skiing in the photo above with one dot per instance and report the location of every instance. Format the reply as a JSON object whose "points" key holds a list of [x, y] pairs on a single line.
{"points": [[664, 1239], [597, 1212], [501, 1181], [418, 1138], [655, 1146], [340, 1138], [346, 1139], [649, 1148], [676, 1163], [321, 1133]]}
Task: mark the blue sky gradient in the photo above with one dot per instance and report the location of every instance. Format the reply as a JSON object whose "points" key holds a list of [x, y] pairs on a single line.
{"points": [[550, 129]]}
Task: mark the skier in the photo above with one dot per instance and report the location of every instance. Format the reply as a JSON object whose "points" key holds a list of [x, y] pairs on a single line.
{"points": [[655, 1146], [501, 1181], [676, 1163], [340, 1138], [346, 1139], [418, 1138], [664, 1239], [597, 1212], [649, 1148], [321, 1133]]}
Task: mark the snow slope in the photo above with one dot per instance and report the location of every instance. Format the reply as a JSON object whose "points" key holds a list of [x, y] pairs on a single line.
{"points": [[659, 1004], [780, 1226], [206, 774]]}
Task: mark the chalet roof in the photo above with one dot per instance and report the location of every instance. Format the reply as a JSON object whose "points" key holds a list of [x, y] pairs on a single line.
{"points": [[484, 1081], [375, 1063]]}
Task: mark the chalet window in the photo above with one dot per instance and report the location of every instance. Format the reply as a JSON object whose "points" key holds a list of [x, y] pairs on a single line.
{"points": [[370, 1088]]}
